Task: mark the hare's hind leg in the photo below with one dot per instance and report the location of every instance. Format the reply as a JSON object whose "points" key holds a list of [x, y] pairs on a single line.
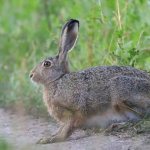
{"points": [[130, 96]]}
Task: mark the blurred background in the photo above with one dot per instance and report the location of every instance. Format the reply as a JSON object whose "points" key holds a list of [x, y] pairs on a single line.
{"points": [[112, 32]]}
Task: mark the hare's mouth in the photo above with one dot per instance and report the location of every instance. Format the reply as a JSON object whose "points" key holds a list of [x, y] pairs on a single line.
{"points": [[34, 78]]}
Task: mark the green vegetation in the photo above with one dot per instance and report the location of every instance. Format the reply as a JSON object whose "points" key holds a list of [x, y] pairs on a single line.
{"points": [[4, 145], [112, 32]]}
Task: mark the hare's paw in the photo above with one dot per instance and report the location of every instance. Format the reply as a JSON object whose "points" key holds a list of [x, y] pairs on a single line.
{"points": [[44, 140], [52, 139]]}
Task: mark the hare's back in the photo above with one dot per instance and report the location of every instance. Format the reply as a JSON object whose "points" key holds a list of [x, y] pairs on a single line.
{"points": [[108, 72], [89, 89]]}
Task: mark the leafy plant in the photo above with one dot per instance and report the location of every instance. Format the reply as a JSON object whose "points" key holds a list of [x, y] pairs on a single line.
{"points": [[111, 33]]}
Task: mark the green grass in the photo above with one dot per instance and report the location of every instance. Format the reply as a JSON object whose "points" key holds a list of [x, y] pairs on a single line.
{"points": [[4, 145], [112, 32]]}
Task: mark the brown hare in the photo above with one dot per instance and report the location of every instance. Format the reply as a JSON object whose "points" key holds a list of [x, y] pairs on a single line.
{"points": [[97, 96]]}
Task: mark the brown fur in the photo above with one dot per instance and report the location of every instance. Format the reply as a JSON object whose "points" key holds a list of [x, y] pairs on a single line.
{"points": [[95, 96]]}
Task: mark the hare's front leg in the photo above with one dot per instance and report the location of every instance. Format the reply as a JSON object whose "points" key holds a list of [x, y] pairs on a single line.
{"points": [[61, 135]]}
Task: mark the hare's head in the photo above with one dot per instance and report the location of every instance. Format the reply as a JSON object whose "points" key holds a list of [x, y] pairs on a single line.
{"points": [[52, 68]]}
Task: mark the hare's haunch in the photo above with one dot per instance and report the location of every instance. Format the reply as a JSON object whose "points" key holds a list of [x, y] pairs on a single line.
{"points": [[97, 96]]}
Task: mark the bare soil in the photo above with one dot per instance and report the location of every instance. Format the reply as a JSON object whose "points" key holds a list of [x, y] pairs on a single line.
{"points": [[23, 131]]}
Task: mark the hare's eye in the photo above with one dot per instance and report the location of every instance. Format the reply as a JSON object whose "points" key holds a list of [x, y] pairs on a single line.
{"points": [[47, 64]]}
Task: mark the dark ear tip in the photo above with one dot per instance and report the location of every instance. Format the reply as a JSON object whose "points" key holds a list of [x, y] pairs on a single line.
{"points": [[70, 24], [72, 21]]}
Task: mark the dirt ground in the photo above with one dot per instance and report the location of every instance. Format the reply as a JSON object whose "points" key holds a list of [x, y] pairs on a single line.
{"points": [[22, 132]]}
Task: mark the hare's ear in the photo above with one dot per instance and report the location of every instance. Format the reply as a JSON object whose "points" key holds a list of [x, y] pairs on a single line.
{"points": [[68, 38]]}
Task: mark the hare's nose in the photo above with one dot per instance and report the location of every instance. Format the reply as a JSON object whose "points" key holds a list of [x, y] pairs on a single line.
{"points": [[31, 75]]}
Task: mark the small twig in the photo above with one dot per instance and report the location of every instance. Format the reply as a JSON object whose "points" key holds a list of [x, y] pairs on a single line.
{"points": [[118, 15], [47, 14], [101, 11], [139, 40]]}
